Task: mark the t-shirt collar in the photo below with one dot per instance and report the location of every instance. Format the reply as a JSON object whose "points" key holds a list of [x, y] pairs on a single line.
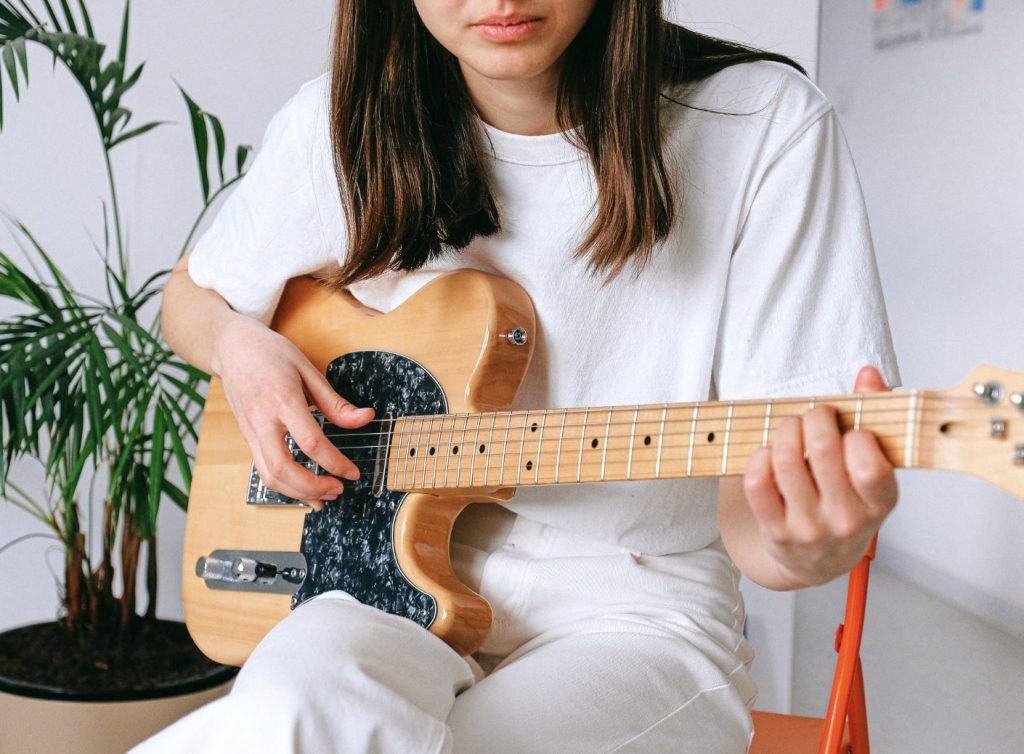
{"points": [[548, 149]]}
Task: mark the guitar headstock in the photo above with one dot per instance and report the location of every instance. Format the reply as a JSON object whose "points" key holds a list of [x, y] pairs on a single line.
{"points": [[978, 428]]}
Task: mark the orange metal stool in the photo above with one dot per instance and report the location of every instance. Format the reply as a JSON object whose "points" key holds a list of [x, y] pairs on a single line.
{"points": [[845, 726]]}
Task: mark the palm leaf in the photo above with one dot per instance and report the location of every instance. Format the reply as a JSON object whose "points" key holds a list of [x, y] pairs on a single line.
{"points": [[126, 135], [69, 17], [85, 18], [122, 48], [17, 285], [201, 140], [156, 457], [241, 155], [181, 456], [178, 496]]}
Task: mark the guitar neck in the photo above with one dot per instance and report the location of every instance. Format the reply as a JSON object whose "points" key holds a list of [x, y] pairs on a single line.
{"points": [[622, 443]]}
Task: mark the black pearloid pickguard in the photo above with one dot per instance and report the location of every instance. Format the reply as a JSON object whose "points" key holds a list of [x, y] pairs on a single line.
{"points": [[348, 545]]}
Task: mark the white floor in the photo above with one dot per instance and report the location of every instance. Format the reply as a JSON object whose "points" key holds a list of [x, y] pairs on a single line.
{"points": [[938, 679]]}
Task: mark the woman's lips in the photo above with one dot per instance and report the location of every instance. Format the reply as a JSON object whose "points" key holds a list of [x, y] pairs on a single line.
{"points": [[508, 28]]}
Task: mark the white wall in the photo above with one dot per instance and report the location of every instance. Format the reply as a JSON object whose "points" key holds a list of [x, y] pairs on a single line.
{"points": [[786, 26], [241, 59], [935, 127]]}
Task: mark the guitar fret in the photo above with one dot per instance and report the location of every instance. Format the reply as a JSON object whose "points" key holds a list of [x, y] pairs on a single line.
{"points": [[661, 440], [455, 453], [857, 411], [604, 452], [448, 453], [767, 424], [406, 444], [473, 450], [414, 459], [728, 430], [540, 447], [491, 441], [632, 438], [558, 450], [425, 450], [462, 453], [522, 445], [468, 449], [504, 449], [583, 434], [693, 437], [389, 467], [426, 460], [909, 450]]}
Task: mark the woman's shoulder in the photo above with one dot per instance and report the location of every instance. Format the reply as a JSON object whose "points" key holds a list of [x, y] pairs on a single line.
{"points": [[308, 106], [765, 95], [302, 124]]}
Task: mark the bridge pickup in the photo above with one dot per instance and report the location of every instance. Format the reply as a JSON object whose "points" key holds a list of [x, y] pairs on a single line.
{"points": [[253, 571]]}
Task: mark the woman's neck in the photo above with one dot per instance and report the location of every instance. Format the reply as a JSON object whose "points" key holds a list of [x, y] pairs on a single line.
{"points": [[517, 106]]}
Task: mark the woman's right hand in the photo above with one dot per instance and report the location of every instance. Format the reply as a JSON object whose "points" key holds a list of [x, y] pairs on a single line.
{"points": [[269, 385]]}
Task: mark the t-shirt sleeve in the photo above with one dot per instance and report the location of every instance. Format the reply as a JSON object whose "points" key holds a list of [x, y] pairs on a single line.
{"points": [[270, 228], [803, 307]]}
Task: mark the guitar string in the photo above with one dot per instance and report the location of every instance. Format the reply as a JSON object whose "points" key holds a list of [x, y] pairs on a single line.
{"points": [[446, 420], [872, 399], [471, 435], [701, 451]]}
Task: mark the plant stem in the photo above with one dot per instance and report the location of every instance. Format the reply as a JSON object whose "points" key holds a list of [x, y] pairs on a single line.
{"points": [[121, 258]]}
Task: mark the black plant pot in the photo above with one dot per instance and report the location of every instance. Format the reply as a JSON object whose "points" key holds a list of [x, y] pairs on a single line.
{"points": [[99, 694]]}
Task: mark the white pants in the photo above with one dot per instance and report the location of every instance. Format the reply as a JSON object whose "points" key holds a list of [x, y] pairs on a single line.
{"points": [[593, 649]]}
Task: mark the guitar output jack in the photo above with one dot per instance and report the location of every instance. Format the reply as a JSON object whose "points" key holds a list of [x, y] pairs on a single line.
{"points": [[517, 337]]}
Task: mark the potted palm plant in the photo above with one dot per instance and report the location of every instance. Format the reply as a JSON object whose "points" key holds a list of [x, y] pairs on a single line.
{"points": [[89, 391]]}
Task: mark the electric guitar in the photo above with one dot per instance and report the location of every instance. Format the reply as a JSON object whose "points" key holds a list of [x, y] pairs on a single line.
{"points": [[440, 372]]}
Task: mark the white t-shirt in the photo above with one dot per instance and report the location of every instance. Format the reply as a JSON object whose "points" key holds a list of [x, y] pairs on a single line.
{"points": [[766, 285]]}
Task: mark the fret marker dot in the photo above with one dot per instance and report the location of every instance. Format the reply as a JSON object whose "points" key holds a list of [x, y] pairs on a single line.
{"points": [[529, 465], [711, 436], [432, 451], [483, 448], [647, 440], [944, 429], [412, 451], [533, 427], [593, 443], [455, 450]]}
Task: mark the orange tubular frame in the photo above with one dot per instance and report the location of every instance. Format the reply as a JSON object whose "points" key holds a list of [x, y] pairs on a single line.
{"points": [[846, 705]]}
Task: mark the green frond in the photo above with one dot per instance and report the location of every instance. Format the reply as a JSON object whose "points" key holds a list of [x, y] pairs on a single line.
{"points": [[156, 456], [201, 140], [241, 155]]}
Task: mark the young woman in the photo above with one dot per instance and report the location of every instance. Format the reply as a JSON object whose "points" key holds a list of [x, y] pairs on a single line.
{"points": [[686, 219]]}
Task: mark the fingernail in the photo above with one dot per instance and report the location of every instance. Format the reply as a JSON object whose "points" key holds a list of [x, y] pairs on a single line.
{"points": [[334, 493], [351, 475]]}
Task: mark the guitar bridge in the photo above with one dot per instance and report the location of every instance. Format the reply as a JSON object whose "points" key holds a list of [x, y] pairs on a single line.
{"points": [[260, 494]]}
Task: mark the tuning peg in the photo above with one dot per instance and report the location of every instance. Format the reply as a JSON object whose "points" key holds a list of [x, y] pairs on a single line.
{"points": [[1017, 399], [990, 392]]}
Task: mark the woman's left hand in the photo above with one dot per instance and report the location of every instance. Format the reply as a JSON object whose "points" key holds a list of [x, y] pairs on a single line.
{"points": [[816, 496]]}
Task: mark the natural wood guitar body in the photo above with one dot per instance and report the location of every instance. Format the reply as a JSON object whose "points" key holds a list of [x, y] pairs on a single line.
{"points": [[469, 355], [441, 372]]}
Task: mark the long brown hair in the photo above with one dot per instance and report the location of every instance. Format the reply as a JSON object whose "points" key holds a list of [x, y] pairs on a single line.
{"points": [[404, 131]]}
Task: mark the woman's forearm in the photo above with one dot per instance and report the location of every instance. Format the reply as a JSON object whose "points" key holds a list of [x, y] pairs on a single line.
{"points": [[193, 318]]}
